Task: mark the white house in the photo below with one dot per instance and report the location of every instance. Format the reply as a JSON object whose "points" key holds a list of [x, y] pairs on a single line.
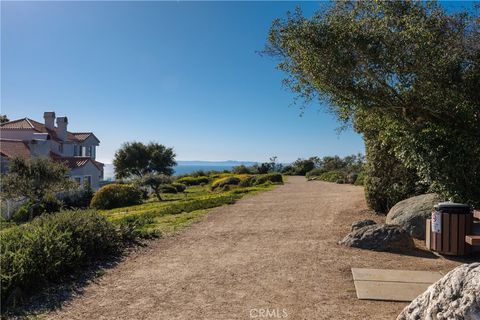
{"points": [[29, 138]]}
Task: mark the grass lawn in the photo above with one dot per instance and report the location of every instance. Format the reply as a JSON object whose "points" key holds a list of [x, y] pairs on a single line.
{"points": [[176, 211]]}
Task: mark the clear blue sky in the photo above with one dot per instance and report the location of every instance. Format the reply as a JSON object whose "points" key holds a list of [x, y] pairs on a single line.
{"points": [[186, 75]]}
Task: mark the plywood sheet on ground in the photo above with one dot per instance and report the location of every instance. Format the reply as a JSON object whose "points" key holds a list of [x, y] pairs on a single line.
{"points": [[395, 275], [392, 285]]}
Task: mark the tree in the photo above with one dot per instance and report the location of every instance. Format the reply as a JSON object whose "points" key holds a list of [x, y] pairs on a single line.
{"points": [[135, 159], [409, 68], [34, 178], [155, 181], [3, 118]]}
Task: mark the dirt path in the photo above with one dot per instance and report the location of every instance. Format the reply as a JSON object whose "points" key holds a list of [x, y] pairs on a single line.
{"points": [[276, 250]]}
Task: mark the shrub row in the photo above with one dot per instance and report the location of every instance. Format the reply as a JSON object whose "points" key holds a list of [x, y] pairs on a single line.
{"points": [[187, 206], [50, 246], [193, 181], [222, 183], [261, 179]]}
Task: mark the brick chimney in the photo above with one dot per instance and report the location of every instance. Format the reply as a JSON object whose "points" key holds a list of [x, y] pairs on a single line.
{"points": [[49, 118], [61, 129]]}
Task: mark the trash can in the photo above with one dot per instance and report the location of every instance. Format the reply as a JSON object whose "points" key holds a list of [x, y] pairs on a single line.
{"points": [[449, 225]]}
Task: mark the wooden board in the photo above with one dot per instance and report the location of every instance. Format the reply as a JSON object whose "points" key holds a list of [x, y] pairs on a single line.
{"points": [[472, 240], [389, 291], [392, 285], [389, 275]]}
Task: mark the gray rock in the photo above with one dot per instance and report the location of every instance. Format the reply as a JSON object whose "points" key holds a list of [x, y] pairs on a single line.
{"points": [[454, 297], [412, 213], [379, 237], [362, 223]]}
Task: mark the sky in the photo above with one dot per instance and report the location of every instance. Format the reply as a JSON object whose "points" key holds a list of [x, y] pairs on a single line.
{"points": [[185, 74]]}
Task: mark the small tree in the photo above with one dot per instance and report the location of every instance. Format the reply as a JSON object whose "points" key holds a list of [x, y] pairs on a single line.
{"points": [[155, 181], [3, 118], [34, 178], [135, 159]]}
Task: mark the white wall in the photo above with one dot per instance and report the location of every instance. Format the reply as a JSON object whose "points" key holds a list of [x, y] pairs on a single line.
{"points": [[89, 169]]}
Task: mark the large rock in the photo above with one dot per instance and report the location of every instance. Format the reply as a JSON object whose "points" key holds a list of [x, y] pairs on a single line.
{"points": [[362, 223], [412, 213], [454, 297], [379, 237]]}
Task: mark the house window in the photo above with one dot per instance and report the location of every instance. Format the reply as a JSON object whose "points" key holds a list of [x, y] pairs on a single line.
{"points": [[60, 148], [86, 151], [78, 180], [75, 150], [87, 181]]}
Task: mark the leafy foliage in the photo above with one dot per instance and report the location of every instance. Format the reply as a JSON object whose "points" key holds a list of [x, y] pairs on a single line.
{"points": [[193, 181], [227, 181], [116, 195], [257, 180], [135, 159], [409, 69], [157, 182], [50, 247], [34, 178], [301, 166]]}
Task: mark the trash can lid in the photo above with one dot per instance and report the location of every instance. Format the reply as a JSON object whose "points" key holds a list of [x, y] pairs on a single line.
{"points": [[453, 206]]}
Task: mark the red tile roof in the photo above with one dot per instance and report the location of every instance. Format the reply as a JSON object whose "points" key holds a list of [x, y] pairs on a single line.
{"points": [[27, 123], [14, 148], [75, 162]]}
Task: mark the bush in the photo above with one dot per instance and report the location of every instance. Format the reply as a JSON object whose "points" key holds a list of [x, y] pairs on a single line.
{"points": [[77, 199], [360, 179], [30, 210], [314, 173], [247, 182], [332, 176], [115, 196], [262, 179], [242, 169], [223, 182], [193, 181], [180, 187], [168, 188], [50, 247], [387, 181], [269, 177]]}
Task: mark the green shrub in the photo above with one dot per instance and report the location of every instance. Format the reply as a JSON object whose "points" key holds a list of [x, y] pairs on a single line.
{"points": [[193, 181], [168, 188], [269, 177], [227, 181], [256, 180], [360, 179], [242, 169], [314, 173], [180, 187], [77, 199], [387, 181], [332, 176], [49, 247], [30, 210], [115, 196], [248, 181]]}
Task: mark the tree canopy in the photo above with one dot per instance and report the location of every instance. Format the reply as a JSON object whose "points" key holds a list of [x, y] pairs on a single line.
{"points": [[135, 159], [34, 178], [408, 71]]}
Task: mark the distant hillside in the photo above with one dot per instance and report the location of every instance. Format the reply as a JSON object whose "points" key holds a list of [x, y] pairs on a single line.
{"points": [[185, 167]]}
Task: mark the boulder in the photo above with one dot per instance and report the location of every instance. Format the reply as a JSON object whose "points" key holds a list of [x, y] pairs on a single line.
{"points": [[362, 223], [412, 213], [379, 237], [455, 297]]}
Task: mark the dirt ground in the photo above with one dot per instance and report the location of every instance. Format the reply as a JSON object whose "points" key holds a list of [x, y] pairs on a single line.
{"points": [[272, 255]]}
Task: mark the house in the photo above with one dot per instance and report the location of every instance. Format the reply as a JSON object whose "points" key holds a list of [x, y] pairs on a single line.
{"points": [[29, 138]]}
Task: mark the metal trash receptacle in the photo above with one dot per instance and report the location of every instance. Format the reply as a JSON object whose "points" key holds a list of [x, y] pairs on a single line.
{"points": [[449, 224]]}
